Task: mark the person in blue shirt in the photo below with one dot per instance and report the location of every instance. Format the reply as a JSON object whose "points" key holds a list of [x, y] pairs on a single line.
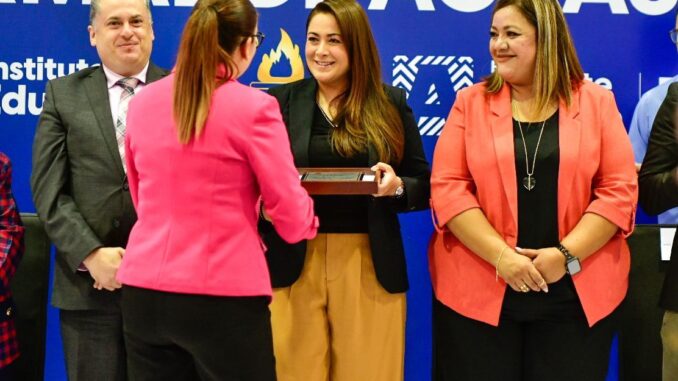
{"points": [[641, 125]]}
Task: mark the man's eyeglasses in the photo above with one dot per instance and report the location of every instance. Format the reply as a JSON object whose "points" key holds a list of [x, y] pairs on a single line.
{"points": [[674, 35], [259, 38]]}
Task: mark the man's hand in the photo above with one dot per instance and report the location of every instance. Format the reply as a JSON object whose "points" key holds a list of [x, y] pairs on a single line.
{"points": [[103, 265]]}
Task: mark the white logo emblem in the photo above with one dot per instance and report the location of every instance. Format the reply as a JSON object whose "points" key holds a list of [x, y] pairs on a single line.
{"points": [[458, 73]]}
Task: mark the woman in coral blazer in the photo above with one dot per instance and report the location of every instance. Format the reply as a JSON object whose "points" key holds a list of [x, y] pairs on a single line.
{"points": [[534, 190], [202, 149]]}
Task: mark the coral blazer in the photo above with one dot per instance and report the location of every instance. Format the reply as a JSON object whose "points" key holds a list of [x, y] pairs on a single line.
{"points": [[474, 167], [196, 231]]}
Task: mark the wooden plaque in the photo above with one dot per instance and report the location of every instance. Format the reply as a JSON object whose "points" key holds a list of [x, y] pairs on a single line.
{"points": [[338, 181]]}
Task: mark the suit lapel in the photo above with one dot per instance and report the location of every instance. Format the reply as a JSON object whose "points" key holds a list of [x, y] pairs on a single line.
{"points": [[301, 106], [97, 94], [569, 135], [154, 73], [501, 123], [372, 157], [301, 110]]}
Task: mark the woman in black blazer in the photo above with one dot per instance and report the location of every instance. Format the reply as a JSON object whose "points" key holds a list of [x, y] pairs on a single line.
{"points": [[338, 309]]}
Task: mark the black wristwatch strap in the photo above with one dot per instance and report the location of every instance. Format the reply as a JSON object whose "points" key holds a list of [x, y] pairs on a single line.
{"points": [[572, 263], [565, 252]]}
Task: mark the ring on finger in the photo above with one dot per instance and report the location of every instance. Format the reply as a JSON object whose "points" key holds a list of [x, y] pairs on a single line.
{"points": [[524, 288]]}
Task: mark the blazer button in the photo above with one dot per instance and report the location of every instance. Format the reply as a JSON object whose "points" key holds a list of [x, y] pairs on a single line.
{"points": [[9, 312], [125, 186], [116, 223]]}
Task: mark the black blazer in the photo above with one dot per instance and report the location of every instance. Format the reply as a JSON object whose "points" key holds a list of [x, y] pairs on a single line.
{"points": [[659, 185], [79, 185], [297, 102]]}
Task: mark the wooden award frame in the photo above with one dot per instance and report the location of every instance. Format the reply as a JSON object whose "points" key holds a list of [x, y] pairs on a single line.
{"points": [[338, 181]]}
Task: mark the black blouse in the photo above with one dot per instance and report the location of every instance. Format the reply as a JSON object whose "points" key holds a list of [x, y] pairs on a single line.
{"points": [[337, 214], [538, 208]]}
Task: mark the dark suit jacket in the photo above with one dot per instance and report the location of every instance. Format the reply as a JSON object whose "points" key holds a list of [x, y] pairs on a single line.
{"points": [[297, 101], [79, 186], [659, 185]]}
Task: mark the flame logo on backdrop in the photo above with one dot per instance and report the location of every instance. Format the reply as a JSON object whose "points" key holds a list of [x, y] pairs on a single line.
{"points": [[285, 56]]}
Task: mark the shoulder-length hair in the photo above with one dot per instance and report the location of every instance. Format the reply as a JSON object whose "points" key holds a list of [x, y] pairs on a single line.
{"points": [[213, 32], [365, 114], [557, 69]]}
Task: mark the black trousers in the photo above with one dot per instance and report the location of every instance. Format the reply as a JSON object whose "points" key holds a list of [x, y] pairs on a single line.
{"points": [[540, 337], [196, 337]]}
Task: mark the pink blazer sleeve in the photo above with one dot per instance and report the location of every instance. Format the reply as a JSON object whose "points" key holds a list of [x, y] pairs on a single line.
{"points": [[615, 185], [285, 200], [452, 187]]}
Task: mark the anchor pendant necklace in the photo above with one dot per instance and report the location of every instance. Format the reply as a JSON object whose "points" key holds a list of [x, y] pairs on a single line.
{"points": [[529, 181]]}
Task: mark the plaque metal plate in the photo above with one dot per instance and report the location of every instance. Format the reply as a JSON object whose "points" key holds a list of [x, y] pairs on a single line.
{"points": [[338, 181]]}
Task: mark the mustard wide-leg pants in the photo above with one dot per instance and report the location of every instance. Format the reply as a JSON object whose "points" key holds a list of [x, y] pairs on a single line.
{"points": [[336, 322]]}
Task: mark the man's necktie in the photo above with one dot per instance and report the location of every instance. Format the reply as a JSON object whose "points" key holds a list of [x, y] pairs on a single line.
{"points": [[128, 85]]}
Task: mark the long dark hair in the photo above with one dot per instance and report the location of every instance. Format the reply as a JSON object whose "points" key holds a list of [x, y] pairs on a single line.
{"points": [[365, 114]]}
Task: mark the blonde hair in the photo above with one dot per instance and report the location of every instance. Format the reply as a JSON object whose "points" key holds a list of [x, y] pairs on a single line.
{"points": [[557, 69]]}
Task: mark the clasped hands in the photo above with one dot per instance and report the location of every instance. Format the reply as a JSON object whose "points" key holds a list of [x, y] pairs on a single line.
{"points": [[103, 264], [531, 269]]}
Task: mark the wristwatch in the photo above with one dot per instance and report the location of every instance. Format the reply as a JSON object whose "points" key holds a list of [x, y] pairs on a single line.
{"points": [[572, 264], [400, 190]]}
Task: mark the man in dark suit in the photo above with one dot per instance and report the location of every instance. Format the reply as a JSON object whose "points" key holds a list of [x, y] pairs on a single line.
{"points": [[80, 188], [658, 183]]}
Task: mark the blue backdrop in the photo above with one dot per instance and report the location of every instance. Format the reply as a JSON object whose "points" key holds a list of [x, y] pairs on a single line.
{"points": [[432, 48]]}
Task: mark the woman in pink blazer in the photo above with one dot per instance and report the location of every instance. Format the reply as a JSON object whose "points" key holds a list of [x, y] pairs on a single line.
{"points": [[534, 191], [202, 150]]}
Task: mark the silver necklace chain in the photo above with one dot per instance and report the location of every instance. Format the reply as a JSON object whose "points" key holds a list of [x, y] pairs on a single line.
{"points": [[327, 118], [529, 182]]}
